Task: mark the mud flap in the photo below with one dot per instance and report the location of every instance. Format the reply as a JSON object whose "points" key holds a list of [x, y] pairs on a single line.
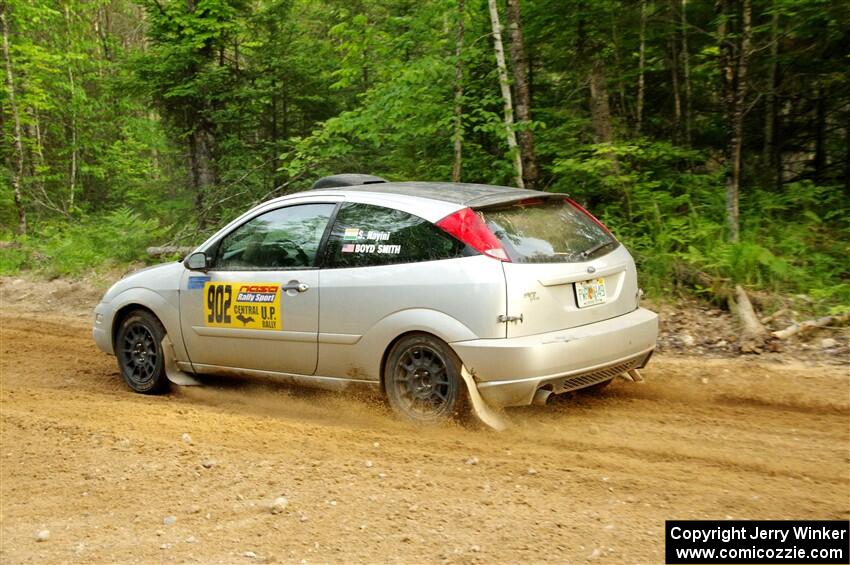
{"points": [[174, 374], [483, 411], [632, 375]]}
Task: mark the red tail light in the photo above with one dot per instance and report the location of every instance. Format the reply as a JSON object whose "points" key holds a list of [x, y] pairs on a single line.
{"points": [[468, 227], [589, 215]]}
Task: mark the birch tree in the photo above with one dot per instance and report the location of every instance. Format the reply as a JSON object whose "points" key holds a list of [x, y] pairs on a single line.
{"points": [[505, 86], [17, 168], [458, 108], [519, 65]]}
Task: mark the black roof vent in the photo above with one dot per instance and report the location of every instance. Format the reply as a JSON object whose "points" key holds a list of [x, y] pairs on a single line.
{"points": [[348, 179]]}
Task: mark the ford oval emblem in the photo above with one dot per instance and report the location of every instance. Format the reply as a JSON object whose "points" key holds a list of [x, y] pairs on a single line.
{"points": [[591, 269]]}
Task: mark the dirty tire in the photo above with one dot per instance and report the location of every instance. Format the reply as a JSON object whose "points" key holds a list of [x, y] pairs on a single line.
{"points": [[138, 347], [422, 380]]}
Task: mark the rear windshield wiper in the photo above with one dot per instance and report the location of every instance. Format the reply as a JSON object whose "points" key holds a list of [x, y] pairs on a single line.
{"points": [[588, 252]]}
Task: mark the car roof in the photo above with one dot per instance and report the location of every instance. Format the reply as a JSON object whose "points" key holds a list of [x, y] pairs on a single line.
{"points": [[431, 201], [463, 194]]}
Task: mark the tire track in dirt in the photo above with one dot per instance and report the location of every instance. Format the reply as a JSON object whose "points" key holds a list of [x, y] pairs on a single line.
{"points": [[100, 467]]}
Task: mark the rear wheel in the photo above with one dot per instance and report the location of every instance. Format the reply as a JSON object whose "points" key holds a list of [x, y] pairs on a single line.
{"points": [[138, 346], [422, 379]]}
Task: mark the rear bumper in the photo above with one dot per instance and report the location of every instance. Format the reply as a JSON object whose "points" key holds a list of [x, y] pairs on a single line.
{"points": [[509, 371]]}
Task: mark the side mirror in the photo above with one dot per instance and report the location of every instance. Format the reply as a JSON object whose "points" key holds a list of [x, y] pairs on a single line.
{"points": [[197, 261]]}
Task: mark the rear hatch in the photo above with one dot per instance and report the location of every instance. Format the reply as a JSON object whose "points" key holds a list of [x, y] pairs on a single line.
{"points": [[564, 269]]}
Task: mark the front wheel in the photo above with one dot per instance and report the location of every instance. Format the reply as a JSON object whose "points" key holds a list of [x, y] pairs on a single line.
{"points": [[422, 379], [138, 346]]}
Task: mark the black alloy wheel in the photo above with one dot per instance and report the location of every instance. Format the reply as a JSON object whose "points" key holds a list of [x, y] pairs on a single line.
{"points": [[138, 346], [422, 379]]}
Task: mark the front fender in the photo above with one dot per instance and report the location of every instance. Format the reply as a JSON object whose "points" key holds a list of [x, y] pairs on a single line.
{"points": [[165, 308]]}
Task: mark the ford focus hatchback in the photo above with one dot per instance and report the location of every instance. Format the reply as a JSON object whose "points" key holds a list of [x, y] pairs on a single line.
{"points": [[403, 287]]}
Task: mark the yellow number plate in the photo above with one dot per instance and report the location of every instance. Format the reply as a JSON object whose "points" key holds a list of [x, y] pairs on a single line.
{"points": [[254, 306], [591, 292]]}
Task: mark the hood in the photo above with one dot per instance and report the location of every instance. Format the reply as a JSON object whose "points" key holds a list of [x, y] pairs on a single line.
{"points": [[156, 278]]}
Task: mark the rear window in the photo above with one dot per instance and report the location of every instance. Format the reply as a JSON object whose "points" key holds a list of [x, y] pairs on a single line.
{"points": [[364, 235], [547, 231]]}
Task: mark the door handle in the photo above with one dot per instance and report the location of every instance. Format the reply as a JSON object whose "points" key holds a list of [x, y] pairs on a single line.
{"points": [[296, 286]]}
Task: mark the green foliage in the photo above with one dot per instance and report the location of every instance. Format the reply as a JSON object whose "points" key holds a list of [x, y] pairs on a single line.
{"points": [[80, 247], [795, 241], [121, 101]]}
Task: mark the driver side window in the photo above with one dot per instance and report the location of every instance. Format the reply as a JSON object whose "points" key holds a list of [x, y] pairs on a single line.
{"points": [[285, 238]]}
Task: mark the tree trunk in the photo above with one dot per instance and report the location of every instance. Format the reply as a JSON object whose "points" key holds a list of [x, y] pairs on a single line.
{"points": [[600, 108], [740, 103], [621, 85], [37, 166], [820, 134], [202, 173], [155, 165], [102, 28], [506, 93], [727, 71], [847, 155], [39, 151], [734, 71], [72, 184], [458, 109], [677, 95], [686, 70], [768, 148], [36, 157], [519, 64], [641, 69], [17, 169], [285, 109]]}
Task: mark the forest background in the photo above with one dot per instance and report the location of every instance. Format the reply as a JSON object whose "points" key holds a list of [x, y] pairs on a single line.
{"points": [[713, 138]]}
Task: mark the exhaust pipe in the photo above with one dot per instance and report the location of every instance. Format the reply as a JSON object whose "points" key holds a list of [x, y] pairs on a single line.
{"points": [[541, 397]]}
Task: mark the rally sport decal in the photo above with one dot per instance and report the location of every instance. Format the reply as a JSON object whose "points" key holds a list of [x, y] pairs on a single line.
{"points": [[254, 306]]}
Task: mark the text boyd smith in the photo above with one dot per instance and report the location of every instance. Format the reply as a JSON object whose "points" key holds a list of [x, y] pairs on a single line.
{"points": [[755, 532]]}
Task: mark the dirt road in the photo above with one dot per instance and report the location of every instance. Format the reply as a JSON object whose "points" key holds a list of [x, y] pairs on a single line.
{"points": [[592, 478]]}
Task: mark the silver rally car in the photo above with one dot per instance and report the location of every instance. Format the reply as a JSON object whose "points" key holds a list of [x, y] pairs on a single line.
{"points": [[409, 287]]}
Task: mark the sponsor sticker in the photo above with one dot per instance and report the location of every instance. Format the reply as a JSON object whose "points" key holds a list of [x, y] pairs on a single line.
{"points": [[356, 234], [389, 249], [196, 283], [373, 235], [371, 248], [254, 306]]}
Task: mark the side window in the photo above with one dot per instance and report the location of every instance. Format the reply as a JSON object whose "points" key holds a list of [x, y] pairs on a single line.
{"points": [[286, 238], [365, 235]]}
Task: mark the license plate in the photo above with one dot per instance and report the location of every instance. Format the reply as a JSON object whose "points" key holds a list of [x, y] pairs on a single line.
{"points": [[589, 293]]}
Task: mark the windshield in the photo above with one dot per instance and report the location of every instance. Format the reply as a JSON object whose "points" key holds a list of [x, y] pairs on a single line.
{"points": [[547, 231]]}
